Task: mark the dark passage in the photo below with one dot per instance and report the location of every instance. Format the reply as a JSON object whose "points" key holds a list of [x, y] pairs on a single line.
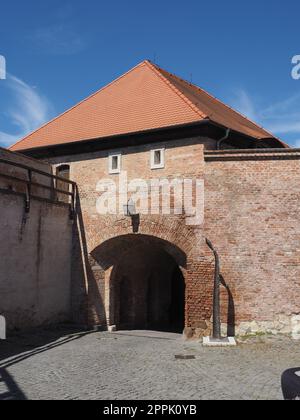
{"points": [[149, 290]]}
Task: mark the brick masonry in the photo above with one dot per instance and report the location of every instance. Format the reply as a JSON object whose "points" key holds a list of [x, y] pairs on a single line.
{"points": [[251, 216]]}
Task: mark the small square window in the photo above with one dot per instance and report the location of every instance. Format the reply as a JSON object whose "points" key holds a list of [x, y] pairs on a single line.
{"points": [[158, 159], [115, 163]]}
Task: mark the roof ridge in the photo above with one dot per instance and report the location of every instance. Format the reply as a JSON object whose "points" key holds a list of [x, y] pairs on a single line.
{"points": [[220, 102], [167, 100], [78, 104], [156, 70]]}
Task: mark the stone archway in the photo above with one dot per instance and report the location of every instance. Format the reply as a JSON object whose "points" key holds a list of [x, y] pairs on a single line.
{"points": [[145, 284]]}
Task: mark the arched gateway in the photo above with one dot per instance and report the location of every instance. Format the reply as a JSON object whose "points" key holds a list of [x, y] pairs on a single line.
{"points": [[144, 280]]}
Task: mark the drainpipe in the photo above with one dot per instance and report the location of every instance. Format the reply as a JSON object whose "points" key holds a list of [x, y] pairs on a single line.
{"points": [[216, 295], [223, 138]]}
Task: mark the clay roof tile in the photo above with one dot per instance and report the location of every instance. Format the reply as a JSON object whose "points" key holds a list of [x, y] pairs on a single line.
{"points": [[147, 97]]}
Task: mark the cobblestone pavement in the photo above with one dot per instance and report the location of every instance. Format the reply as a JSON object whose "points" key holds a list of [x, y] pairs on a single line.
{"points": [[140, 365]]}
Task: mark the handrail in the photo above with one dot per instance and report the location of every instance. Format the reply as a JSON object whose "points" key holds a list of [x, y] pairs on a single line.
{"points": [[30, 183], [38, 171]]}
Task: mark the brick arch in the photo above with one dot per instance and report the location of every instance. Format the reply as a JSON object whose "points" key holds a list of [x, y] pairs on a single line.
{"points": [[172, 230], [185, 244], [107, 254], [141, 251]]}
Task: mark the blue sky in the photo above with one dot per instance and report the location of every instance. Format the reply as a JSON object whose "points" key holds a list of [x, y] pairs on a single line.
{"points": [[58, 52]]}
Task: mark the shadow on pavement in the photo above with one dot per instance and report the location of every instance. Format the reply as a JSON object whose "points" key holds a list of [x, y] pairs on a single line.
{"points": [[13, 392], [20, 347]]}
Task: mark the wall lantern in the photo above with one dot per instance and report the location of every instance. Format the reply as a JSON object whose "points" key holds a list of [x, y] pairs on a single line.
{"points": [[130, 209]]}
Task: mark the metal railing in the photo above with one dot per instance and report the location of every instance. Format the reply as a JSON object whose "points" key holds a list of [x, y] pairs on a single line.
{"points": [[29, 183]]}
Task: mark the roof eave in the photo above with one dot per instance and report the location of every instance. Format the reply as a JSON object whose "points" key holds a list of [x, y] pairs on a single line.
{"points": [[144, 137]]}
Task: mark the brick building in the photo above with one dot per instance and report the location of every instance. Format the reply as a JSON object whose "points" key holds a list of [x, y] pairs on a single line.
{"points": [[155, 270]]}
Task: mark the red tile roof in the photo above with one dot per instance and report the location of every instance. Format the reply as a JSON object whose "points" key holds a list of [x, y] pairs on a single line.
{"points": [[145, 98]]}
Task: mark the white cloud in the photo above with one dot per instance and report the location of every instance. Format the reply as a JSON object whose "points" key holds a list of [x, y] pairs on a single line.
{"points": [[7, 139], [28, 110], [244, 104], [297, 143], [287, 127], [58, 39], [280, 118], [282, 106]]}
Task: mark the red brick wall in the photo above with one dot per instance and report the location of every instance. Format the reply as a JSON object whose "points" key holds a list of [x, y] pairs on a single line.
{"points": [[252, 217], [183, 159]]}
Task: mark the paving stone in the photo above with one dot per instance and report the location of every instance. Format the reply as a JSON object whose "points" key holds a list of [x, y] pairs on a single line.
{"points": [[141, 365]]}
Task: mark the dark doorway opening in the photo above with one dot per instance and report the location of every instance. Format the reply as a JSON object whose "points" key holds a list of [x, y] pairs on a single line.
{"points": [[146, 282], [148, 290], [165, 301]]}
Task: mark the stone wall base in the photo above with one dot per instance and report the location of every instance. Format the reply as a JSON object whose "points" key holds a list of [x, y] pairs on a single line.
{"points": [[282, 324]]}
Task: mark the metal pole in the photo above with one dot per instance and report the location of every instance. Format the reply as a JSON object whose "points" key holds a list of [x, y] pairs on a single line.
{"points": [[216, 297]]}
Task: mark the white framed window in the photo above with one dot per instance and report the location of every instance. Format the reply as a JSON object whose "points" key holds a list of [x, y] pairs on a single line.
{"points": [[114, 163], [158, 158]]}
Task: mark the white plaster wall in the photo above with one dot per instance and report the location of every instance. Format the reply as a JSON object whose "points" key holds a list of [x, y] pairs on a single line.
{"points": [[35, 262]]}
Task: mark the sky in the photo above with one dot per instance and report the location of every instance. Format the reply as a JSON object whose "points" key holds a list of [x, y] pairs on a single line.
{"points": [[58, 52]]}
